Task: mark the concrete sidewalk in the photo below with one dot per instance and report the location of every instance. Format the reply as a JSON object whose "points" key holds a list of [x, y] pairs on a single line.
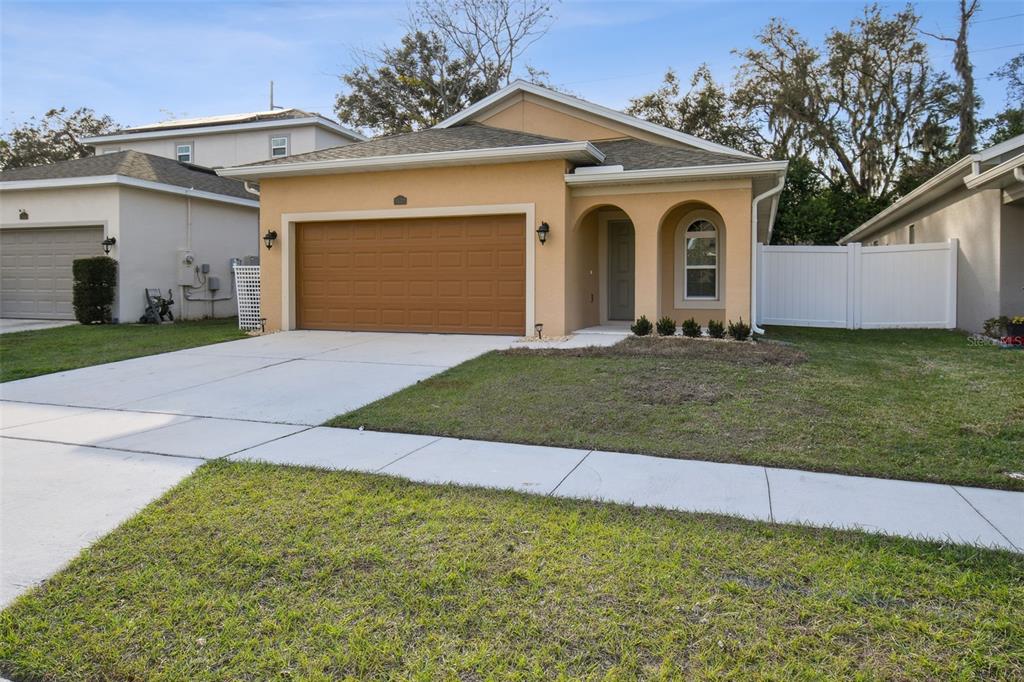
{"points": [[959, 514]]}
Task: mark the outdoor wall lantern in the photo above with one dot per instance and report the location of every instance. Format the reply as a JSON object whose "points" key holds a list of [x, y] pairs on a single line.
{"points": [[539, 327], [269, 238], [22, 214], [107, 243], [542, 232]]}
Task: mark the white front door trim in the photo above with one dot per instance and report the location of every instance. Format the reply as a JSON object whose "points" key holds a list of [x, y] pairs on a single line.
{"points": [[286, 241]]}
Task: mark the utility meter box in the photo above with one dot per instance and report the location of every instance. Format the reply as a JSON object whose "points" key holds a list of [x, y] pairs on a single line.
{"points": [[186, 267]]}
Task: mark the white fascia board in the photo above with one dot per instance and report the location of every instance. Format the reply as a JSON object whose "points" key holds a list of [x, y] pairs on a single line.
{"points": [[996, 173], [123, 181], [1001, 148], [590, 107], [921, 195], [233, 127], [685, 173], [583, 152]]}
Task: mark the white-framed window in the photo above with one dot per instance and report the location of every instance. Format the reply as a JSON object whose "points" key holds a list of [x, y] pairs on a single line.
{"points": [[700, 261], [183, 152], [278, 147]]}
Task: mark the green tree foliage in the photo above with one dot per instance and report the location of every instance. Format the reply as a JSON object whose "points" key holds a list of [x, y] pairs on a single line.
{"points": [[455, 53], [705, 110], [55, 137], [813, 211], [857, 106], [412, 86], [1010, 121]]}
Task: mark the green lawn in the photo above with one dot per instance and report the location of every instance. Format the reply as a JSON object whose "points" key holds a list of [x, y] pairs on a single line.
{"points": [[31, 353], [255, 572], [921, 404]]}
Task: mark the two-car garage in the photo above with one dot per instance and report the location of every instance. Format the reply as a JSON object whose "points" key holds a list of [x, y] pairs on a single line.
{"points": [[459, 274]]}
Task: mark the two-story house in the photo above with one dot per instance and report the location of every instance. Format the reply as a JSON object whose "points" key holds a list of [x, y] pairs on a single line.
{"points": [[231, 140], [151, 199]]}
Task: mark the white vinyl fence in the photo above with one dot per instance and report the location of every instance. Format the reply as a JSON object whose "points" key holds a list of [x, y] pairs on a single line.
{"points": [[858, 287]]}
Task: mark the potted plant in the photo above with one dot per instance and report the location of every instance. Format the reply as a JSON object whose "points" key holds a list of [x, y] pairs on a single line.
{"points": [[1015, 327]]}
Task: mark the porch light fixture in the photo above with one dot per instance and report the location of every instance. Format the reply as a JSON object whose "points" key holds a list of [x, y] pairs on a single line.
{"points": [[542, 232], [22, 214], [539, 327], [269, 238], [107, 243]]}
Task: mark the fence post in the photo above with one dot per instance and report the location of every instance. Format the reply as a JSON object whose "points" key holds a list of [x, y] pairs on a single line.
{"points": [[853, 285], [760, 284], [954, 253]]}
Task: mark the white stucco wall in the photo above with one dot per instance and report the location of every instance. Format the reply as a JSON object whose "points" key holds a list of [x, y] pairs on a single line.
{"points": [[150, 228], [974, 218], [155, 226], [233, 148]]}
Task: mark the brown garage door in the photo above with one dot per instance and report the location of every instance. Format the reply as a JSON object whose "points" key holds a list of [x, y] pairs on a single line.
{"points": [[35, 269], [459, 274]]}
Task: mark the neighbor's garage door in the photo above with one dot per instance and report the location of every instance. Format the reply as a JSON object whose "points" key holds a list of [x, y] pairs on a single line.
{"points": [[35, 269], [460, 274]]}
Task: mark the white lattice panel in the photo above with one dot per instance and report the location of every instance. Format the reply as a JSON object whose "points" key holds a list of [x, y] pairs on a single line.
{"points": [[247, 284]]}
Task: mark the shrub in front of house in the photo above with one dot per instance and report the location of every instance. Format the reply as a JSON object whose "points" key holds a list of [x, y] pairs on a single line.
{"points": [[716, 329], [94, 288], [666, 326], [642, 327], [691, 328], [996, 327], [739, 330]]}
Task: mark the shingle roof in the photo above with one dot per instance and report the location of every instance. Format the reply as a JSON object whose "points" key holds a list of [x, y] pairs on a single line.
{"points": [[632, 154], [461, 138], [637, 154], [137, 165]]}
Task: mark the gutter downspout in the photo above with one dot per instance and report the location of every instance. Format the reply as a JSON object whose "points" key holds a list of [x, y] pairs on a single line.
{"points": [[777, 189]]}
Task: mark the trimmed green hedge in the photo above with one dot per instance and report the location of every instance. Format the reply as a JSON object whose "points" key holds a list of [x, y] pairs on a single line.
{"points": [[95, 284]]}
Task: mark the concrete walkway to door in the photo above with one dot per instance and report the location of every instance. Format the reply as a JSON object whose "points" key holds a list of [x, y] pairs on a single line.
{"points": [[82, 451]]}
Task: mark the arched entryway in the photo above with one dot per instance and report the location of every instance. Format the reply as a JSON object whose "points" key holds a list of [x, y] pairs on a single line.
{"points": [[602, 269]]}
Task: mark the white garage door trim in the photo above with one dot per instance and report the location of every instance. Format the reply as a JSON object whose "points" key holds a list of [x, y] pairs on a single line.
{"points": [[286, 240]]}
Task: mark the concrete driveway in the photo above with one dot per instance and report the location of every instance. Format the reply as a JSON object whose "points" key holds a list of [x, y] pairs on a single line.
{"points": [[9, 325], [83, 450]]}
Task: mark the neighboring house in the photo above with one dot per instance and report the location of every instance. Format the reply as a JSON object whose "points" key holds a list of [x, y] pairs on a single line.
{"points": [[530, 207], [168, 219], [230, 140], [151, 188], [979, 200]]}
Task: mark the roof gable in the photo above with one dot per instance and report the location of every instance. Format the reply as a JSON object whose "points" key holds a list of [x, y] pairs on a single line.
{"points": [[517, 104]]}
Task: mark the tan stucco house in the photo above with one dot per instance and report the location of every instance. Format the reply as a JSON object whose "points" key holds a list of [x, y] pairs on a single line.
{"points": [[529, 207], [979, 200]]}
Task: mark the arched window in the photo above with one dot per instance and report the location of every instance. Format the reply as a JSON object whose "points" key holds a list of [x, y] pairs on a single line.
{"points": [[700, 266]]}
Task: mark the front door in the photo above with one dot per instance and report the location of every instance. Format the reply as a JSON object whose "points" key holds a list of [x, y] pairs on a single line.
{"points": [[620, 270]]}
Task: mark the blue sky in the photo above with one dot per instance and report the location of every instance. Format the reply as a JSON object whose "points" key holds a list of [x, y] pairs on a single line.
{"points": [[144, 61]]}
